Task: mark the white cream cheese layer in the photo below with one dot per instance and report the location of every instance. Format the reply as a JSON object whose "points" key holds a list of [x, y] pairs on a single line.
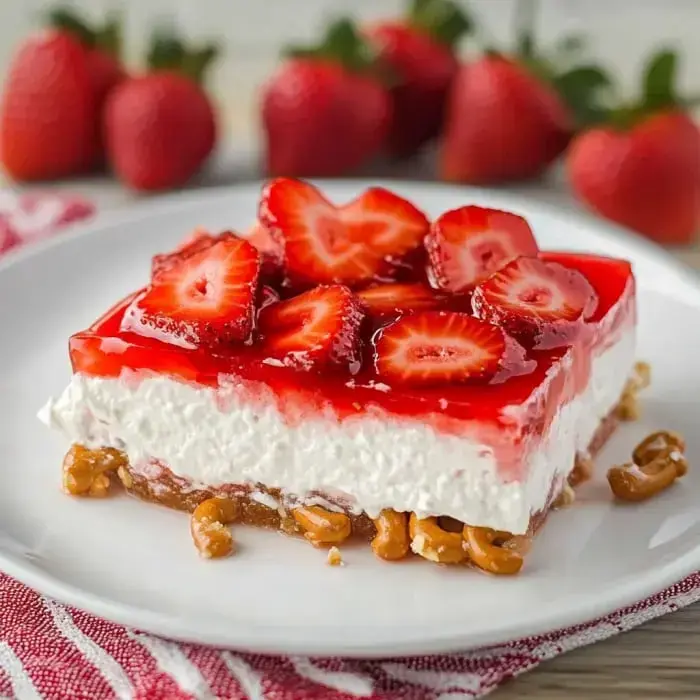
{"points": [[212, 438]]}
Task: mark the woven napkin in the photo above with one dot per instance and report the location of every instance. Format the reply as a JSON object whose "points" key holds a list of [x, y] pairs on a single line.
{"points": [[54, 652], [33, 216], [50, 651]]}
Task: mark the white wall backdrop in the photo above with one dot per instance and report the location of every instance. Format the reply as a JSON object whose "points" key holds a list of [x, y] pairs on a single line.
{"points": [[620, 31]]}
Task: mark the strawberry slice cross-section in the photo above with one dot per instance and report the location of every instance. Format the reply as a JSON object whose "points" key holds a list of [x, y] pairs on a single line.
{"points": [[542, 304], [363, 241], [270, 249], [319, 328], [204, 299], [200, 239], [440, 347], [108, 356], [466, 245], [393, 299]]}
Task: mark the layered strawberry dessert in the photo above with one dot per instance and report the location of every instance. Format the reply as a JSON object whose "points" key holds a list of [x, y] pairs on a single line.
{"points": [[354, 369]]}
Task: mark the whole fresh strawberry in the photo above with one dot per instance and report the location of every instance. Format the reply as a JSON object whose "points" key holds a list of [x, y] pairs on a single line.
{"points": [[49, 111], [103, 45], [419, 52], [510, 115], [325, 111], [503, 123], [159, 128], [642, 168], [203, 296]]}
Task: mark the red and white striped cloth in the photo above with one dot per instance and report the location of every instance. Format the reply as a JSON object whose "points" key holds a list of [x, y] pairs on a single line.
{"points": [[50, 651], [33, 216]]}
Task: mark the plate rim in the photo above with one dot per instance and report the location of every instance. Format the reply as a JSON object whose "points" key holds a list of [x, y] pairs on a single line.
{"points": [[135, 211], [629, 589], [264, 639]]}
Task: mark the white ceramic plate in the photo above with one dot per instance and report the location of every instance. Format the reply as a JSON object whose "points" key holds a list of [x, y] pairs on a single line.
{"points": [[134, 563]]}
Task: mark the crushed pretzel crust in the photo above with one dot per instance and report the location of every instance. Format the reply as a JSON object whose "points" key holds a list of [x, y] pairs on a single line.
{"points": [[565, 498], [87, 472], [334, 557], [125, 477], [419, 546], [628, 409], [582, 471]]}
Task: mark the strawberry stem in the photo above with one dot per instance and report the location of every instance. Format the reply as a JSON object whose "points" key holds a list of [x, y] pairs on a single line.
{"points": [[584, 89], [169, 52], [66, 19], [658, 88], [107, 37], [443, 20], [342, 44], [526, 12], [659, 81]]}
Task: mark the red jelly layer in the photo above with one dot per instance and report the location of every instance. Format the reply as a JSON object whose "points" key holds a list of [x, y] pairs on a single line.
{"points": [[532, 398]]}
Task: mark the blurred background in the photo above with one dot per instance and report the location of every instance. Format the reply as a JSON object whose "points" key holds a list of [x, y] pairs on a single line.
{"points": [[617, 38], [620, 32]]}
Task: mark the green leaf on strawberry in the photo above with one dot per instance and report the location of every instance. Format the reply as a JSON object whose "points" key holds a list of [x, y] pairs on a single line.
{"points": [[66, 19], [659, 81], [525, 13], [659, 93], [168, 51], [343, 44], [107, 38], [444, 20], [583, 89]]}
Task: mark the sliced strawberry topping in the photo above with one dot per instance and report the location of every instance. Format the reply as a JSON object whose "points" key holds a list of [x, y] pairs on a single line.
{"points": [[316, 328], [609, 277], [353, 244], [266, 296], [205, 298], [466, 245], [389, 299], [271, 250], [543, 304], [196, 242], [439, 347], [108, 356]]}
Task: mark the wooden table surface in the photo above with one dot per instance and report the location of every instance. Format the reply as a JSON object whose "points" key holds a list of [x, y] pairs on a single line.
{"points": [[661, 659]]}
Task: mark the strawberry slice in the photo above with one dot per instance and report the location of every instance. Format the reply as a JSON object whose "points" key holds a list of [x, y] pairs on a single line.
{"points": [[266, 296], [360, 242], [466, 245], [543, 304], [108, 356], [196, 242], [205, 298], [320, 327], [391, 299], [271, 250], [439, 347]]}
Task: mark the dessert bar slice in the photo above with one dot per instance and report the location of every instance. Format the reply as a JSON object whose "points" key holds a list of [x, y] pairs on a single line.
{"points": [[359, 372]]}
